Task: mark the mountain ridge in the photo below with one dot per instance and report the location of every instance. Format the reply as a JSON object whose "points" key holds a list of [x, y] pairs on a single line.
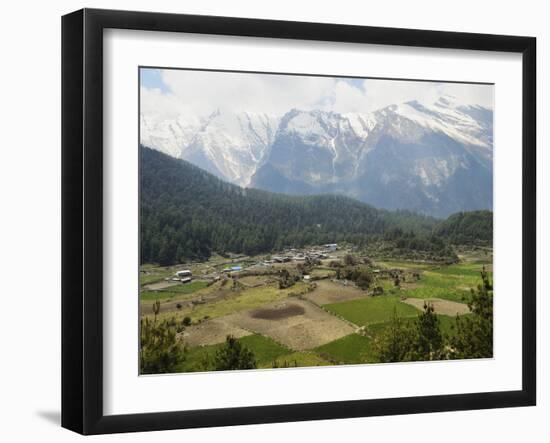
{"points": [[435, 159]]}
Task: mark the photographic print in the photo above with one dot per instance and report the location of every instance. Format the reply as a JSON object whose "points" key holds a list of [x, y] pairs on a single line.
{"points": [[304, 220]]}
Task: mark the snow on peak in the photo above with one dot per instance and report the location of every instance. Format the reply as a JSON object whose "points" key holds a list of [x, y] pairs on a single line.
{"points": [[235, 144], [446, 116], [304, 123], [447, 101], [168, 136]]}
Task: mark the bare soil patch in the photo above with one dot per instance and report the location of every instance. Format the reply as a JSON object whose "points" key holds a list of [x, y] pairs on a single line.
{"points": [[443, 307], [278, 313], [211, 332], [329, 292], [295, 323], [161, 285]]}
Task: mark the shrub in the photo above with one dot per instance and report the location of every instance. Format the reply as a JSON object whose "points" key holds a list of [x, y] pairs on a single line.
{"points": [[350, 260], [160, 350]]}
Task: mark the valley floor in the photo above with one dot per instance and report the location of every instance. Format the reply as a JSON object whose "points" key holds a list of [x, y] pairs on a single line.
{"points": [[318, 320]]}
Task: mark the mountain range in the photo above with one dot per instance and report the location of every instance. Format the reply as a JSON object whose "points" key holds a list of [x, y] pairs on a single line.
{"points": [[435, 159]]}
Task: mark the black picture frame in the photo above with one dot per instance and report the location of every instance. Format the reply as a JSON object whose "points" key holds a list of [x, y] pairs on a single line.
{"points": [[82, 218]]}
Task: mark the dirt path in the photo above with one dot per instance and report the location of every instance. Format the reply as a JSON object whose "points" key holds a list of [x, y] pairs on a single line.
{"points": [[161, 285]]}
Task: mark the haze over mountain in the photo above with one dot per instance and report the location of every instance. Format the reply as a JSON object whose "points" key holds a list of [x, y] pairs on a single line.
{"points": [[432, 158]]}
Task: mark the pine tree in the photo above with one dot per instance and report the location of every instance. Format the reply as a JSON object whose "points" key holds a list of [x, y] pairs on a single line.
{"points": [[428, 339], [474, 336], [160, 350], [233, 355], [395, 343]]}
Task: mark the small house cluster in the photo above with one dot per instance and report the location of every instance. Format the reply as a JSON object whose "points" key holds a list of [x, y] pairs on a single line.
{"points": [[311, 254], [295, 255]]}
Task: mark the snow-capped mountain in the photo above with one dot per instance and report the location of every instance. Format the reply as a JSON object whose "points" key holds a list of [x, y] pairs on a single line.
{"points": [[229, 145], [434, 158], [170, 136]]}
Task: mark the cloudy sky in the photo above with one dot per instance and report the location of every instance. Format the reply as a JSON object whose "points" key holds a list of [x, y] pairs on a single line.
{"points": [[168, 93]]}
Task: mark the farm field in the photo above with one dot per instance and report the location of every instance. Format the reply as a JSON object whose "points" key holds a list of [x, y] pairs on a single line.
{"points": [[327, 291], [268, 354], [171, 290], [297, 324], [372, 310], [314, 321], [443, 307], [351, 349]]}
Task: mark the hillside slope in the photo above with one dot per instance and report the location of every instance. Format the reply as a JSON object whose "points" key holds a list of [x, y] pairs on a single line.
{"points": [[188, 213]]}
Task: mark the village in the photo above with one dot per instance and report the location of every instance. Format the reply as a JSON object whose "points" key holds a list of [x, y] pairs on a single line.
{"points": [[310, 255], [312, 304]]}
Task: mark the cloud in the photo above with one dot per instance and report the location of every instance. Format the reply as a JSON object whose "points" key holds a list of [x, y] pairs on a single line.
{"points": [[199, 93], [272, 94], [381, 93], [165, 105]]}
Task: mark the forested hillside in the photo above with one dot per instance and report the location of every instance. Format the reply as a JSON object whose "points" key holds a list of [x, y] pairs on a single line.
{"points": [[187, 213], [467, 227]]}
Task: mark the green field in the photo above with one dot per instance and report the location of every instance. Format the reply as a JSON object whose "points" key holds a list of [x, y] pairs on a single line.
{"points": [[404, 264], [300, 359], [353, 348], [446, 323], [387, 285], [173, 291], [369, 310], [450, 282], [266, 352]]}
